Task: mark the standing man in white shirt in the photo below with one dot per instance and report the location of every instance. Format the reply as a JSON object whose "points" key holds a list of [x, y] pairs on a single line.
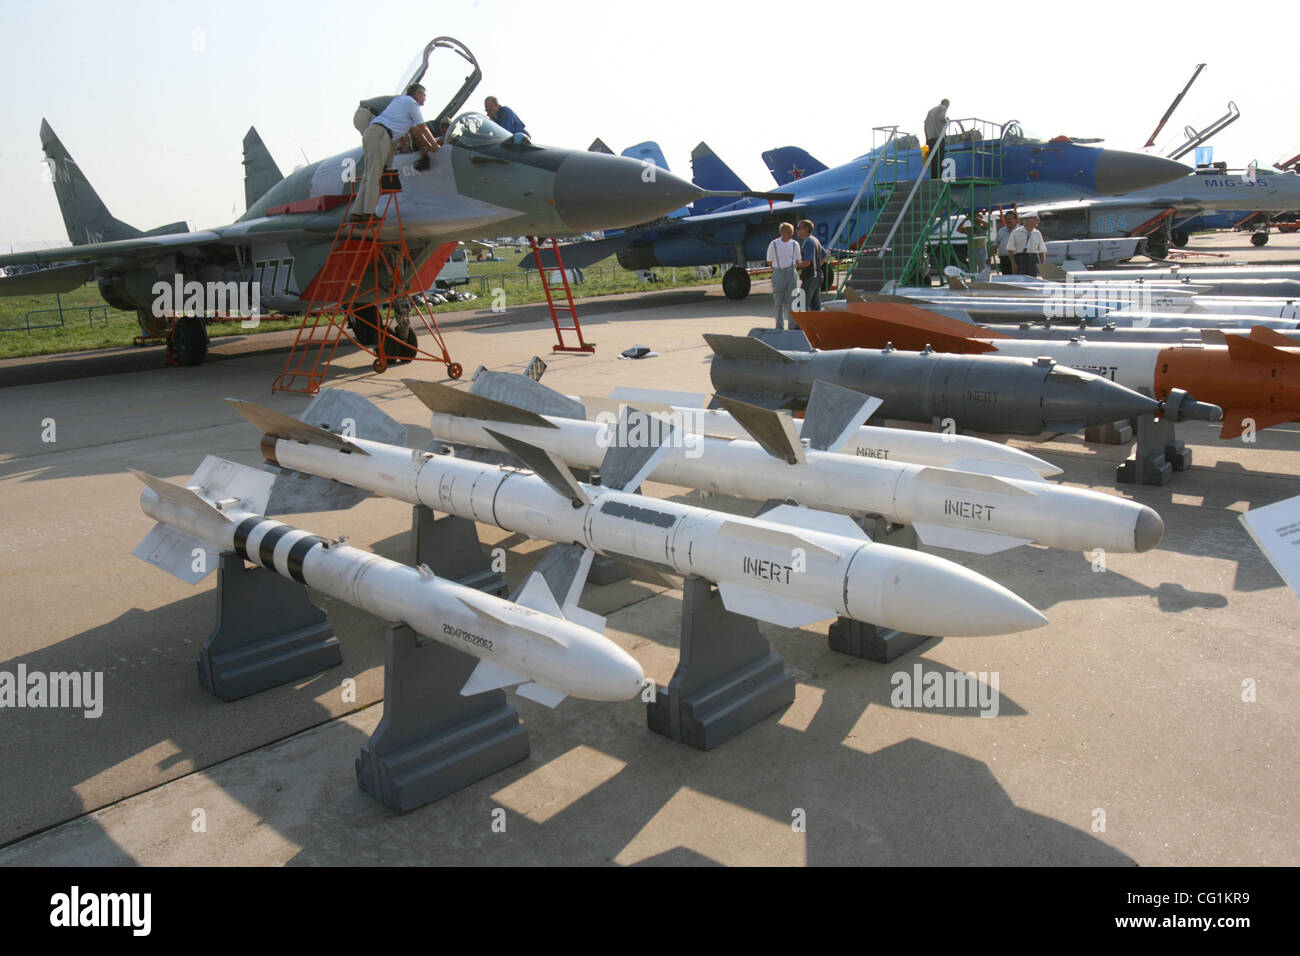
{"points": [[401, 116], [1027, 247], [782, 254]]}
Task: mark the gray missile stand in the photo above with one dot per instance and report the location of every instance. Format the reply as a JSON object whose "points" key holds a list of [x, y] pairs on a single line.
{"points": [[727, 677], [868, 641], [268, 633], [1111, 433], [432, 741], [1156, 456], [450, 547]]}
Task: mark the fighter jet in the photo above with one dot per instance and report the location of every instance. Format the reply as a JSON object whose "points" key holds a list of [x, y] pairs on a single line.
{"points": [[1032, 170], [1210, 189], [483, 183]]}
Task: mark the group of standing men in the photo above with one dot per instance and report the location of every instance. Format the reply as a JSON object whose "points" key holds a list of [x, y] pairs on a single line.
{"points": [[798, 259]]}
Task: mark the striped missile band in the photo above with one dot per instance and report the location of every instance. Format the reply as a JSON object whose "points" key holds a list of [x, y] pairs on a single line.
{"points": [[275, 546]]}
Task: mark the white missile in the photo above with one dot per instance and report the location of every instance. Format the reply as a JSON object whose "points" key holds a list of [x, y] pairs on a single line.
{"points": [[867, 441], [987, 511], [791, 567], [529, 643]]}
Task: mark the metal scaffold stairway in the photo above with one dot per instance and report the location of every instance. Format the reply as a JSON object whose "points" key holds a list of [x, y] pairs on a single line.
{"points": [[906, 220], [369, 291], [575, 327]]}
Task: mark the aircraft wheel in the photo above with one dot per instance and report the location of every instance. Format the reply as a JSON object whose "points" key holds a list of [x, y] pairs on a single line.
{"points": [[735, 283], [189, 340], [379, 364], [1179, 238], [1259, 239], [1158, 245], [366, 332], [454, 370], [404, 350]]}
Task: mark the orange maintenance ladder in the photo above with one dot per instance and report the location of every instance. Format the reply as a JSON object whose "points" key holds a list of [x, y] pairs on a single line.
{"points": [[367, 293], [582, 346]]}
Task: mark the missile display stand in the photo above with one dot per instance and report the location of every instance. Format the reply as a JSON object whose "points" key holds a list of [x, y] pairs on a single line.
{"points": [[432, 741], [867, 641], [727, 678], [1156, 455], [267, 633]]}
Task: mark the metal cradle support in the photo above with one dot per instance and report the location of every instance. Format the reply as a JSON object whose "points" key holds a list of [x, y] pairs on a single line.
{"points": [[1156, 455], [450, 547], [268, 633], [727, 678]]}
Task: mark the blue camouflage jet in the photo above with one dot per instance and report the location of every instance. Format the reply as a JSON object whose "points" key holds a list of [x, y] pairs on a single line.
{"points": [[1033, 170]]}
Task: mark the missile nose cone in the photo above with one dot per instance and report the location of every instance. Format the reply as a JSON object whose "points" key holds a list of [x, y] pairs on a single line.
{"points": [[596, 191], [971, 604], [1149, 531], [1123, 172]]}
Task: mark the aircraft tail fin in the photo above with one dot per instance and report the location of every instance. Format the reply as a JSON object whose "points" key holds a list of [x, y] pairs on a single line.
{"points": [[788, 163], [260, 170], [710, 172], [85, 216]]}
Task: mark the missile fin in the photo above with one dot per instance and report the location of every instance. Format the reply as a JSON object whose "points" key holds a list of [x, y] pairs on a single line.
{"points": [[178, 495], [543, 695], [774, 432], [1256, 349], [489, 676], [536, 595], [772, 608], [1005, 469], [454, 401], [1269, 336], [965, 539], [526, 393], [746, 348], [339, 412], [626, 466], [278, 425], [222, 479], [172, 550], [811, 519], [565, 568], [834, 414], [1234, 420], [971, 481], [546, 466]]}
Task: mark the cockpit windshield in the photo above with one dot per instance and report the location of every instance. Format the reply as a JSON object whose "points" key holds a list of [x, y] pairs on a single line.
{"points": [[1016, 135], [472, 130]]}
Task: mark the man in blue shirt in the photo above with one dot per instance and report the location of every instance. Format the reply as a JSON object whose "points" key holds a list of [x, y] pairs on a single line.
{"points": [[812, 260], [401, 116], [504, 116]]}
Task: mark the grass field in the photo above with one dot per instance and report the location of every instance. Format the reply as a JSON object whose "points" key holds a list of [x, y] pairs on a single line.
{"points": [[106, 327]]}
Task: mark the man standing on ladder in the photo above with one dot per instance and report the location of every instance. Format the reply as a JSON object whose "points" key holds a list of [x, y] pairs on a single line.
{"points": [[401, 116], [935, 121]]}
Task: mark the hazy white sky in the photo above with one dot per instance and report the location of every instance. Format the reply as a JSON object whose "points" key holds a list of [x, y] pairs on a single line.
{"points": [[153, 98]]}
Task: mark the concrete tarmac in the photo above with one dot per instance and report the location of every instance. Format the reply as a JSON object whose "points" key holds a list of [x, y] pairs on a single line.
{"points": [[1126, 730]]}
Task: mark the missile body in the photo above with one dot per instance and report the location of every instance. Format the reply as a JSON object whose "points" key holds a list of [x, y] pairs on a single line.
{"points": [[522, 642], [869, 441], [791, 567], [1155, 332], [967, 510], [1009, 396]]}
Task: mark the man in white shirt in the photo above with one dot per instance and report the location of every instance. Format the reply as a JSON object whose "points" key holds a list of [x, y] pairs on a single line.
{"points": [[401, 116], [935, 121], [1006, 264], [1027, 247], [782, 254]]}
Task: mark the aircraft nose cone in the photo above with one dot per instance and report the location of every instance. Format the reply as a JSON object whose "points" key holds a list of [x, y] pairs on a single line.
{"points": [[1123, 172], [595, 191]]}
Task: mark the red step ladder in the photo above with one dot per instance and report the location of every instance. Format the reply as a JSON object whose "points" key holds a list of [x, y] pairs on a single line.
{"points": [[582, 346], [366, 291]]}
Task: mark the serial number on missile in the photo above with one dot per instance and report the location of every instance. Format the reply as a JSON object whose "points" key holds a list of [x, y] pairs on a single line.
{"points": [[767, 570], [1105, 371], [469, 638], [975, 395], [871, 452], [968, 509]]}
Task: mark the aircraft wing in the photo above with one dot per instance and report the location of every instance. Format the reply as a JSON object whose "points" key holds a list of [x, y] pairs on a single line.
{"points": [[140, 248]]}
